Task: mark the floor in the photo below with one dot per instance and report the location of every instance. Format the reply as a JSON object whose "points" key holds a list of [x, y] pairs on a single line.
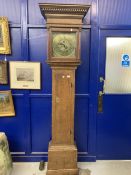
{"points": [[86, 168]]}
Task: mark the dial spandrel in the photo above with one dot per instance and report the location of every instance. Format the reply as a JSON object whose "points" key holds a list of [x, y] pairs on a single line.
{"points": [[64, 44]]}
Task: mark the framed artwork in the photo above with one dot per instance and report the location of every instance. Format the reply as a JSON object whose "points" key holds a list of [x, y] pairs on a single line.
{"points": [[4, 36], [3, 72], [24, 75], [6, 104]]}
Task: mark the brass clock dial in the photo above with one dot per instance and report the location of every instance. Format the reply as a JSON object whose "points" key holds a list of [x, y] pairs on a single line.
{"points": [[64, 44]]}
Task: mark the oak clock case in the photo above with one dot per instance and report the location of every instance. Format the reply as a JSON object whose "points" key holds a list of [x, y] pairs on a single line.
{"points": [[64, 23]]}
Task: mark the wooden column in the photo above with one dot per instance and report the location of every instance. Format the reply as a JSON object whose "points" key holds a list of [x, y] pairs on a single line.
{"points": [[64, 24]]}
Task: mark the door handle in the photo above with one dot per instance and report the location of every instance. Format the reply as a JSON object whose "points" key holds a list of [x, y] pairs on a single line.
{"points": [[100, 96], [101, 93], [102, 80]]}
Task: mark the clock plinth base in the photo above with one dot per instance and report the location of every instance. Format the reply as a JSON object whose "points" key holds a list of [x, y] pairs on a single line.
{"points": [[63, 172], [62, 160]]}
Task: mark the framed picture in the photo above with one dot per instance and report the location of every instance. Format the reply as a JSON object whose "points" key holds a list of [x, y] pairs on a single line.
{"points": [[24, 75], [6, 104], [4, 36], [3, 72]]}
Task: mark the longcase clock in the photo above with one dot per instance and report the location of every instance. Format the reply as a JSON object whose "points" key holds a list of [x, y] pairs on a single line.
{"points": [[64, 23]]}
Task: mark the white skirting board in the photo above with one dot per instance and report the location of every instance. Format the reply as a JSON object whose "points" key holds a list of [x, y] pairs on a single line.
{"points": [[86, 168]]}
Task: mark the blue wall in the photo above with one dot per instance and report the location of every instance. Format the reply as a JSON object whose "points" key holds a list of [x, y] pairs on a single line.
{"points": [[30, 131]]}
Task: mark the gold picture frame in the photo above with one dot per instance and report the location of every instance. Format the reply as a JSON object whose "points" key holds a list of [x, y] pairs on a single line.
{"points": [[25, 75], [6, 104], [4, 36], [3, 72]]}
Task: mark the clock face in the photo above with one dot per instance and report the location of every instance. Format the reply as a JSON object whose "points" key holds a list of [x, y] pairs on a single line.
{"points": [[64, 44]]}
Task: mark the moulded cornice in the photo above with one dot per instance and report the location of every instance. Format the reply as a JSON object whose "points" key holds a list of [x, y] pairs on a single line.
{"points": [[73, 10]]}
